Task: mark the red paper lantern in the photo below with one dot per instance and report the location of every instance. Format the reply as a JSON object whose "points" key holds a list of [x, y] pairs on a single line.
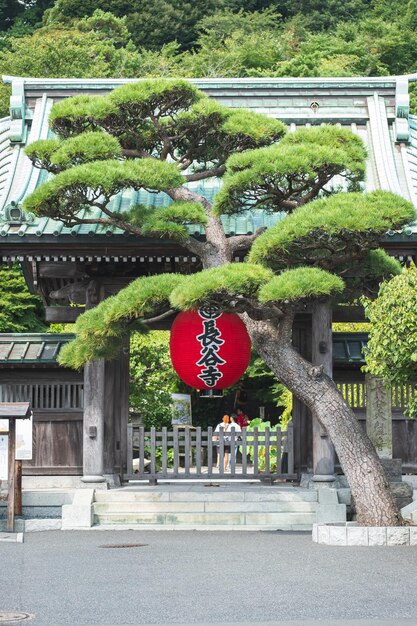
{"points": [[209, 349]]}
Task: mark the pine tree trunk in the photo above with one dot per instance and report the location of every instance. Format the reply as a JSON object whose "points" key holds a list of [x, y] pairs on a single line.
{"points": [[375, 504]]}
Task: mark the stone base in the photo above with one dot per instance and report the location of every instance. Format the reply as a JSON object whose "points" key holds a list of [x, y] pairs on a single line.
{"points": [[350, 534], [393, 469], [79, 514], [57, 482]]}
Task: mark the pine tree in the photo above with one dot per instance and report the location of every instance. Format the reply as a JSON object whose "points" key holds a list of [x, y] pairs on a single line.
{"points": [[161, 134]]}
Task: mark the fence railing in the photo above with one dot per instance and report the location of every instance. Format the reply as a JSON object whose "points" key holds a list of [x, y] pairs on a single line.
{"points": [[187, 452], [45, 396], [354, 394]]}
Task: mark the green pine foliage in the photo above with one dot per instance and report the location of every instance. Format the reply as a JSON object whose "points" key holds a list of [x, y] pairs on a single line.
{"points": [[328, 229], [301, 283], [70, 190], [164, 133], [273, 177], [20, 311], [392, 345], [173, 221], [102, 330], [223, 286], [57, 155]]}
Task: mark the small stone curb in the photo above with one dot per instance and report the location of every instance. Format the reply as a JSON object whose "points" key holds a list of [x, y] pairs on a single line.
{"points": [[350, 534], [13, 537]]}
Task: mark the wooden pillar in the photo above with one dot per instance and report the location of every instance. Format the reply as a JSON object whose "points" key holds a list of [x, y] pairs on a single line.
{"points": [[94, 403], [11, 498], [322, 354], [124, 410], [110, 409], [93, 427]]}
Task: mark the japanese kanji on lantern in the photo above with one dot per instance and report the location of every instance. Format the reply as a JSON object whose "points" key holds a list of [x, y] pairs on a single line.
{"points": [[209, 349]]}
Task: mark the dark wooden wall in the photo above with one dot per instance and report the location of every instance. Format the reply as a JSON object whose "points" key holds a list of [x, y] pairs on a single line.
{"points": [[56, 398]]}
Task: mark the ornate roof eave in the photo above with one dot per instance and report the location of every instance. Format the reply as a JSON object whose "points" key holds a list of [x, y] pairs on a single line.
{"points": [[375, 108]]}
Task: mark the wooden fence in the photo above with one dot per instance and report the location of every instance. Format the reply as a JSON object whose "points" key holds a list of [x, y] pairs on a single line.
{"points": [[191, 453]]}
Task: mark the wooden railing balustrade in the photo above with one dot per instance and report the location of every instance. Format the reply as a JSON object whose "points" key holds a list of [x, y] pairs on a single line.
{"points": [[189, 453]]}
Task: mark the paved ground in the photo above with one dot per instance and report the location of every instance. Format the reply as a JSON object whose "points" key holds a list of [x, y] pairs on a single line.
{"points": [[182, 577]]}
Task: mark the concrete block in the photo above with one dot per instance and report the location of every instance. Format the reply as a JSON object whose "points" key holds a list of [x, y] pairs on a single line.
{"points": [[236, 519], [292, 495], [281, 519], [210, 496], [413, 535], [403, 493], [83, 497], [314, 534], [337, 535], [327, 496], [260, 507], [323, 535], [47, 498], [411, 479], [11, 537], [377, 536], [101, 508], [79, 514], [133, 519], [344, 495], [130, 496], [37, 525], [357, 536], [407, 511], [393, 469], [398, 536], [328, 513], [74, 516]]}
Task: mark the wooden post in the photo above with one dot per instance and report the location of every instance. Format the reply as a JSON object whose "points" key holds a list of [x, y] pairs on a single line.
{"points": [[93, 422], [18, 488], [322, 354], [93, 439], [11, 476]]}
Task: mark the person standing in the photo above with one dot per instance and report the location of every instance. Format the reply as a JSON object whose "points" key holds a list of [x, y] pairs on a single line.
{"points": [[242, 419], [224, 426], [234, 426]]}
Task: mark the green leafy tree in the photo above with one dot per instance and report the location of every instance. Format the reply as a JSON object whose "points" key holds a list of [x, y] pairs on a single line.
{"points": [[159, 135], [152, 378], [151, 24], [392, 346], [20, 311], [97, 47]]}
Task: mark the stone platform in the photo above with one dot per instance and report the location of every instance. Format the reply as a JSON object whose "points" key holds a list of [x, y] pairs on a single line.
{"points": [[203, 506]]}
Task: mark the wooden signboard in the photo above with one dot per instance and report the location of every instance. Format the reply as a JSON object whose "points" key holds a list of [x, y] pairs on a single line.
{"points": [[13, 411]]}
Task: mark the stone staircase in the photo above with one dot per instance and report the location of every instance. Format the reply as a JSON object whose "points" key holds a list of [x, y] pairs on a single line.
{"points": [[218, 508]]}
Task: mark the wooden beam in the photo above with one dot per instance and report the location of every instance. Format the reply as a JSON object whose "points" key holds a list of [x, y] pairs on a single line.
{"points": [[63, 314], [349, 314]]}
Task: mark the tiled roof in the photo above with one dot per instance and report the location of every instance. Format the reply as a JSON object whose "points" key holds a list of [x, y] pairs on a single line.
{"points": [[349, 347], [376, 109], [31, 348], [43, 348]]}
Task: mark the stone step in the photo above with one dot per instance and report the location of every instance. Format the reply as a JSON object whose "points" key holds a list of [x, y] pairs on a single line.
{"points": [[103, 507], [207, 496], [207, 527], [277, 521]]}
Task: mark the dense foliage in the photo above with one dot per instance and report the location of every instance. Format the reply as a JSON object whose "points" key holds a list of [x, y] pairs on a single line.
{"points": [[392, 346], [20, 311], [152, 378], [100, 38]]}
